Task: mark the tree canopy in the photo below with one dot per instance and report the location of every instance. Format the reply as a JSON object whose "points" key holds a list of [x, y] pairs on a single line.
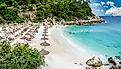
{"points": [[62, 9]]}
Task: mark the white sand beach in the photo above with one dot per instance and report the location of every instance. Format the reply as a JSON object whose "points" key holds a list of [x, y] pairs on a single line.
{"points": [[63, 55]]}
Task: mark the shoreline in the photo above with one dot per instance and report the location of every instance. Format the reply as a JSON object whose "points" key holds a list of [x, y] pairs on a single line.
{"points": [[64, 54], [96, 20]]}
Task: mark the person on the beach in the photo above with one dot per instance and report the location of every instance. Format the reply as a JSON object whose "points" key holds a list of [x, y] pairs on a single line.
{"points": [[113, 64], [119, 65]]}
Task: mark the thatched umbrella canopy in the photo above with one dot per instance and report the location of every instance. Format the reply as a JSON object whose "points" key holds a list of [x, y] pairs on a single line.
{"points": [[3, 27], [45, 44], [15, 24], [44, 38], [44, 52], [27, 34], [3, 30], [45, 32], [32, 29], [44, 35], [23, 37]]}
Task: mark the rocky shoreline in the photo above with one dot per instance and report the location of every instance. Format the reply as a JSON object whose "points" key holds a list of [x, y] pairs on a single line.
{"points": [[84, 22]]}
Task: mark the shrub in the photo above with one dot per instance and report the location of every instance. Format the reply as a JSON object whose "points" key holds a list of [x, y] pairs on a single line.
{"points": [[30, 7], [20, 57], [9, 14], [19, 19], [3, 6]]}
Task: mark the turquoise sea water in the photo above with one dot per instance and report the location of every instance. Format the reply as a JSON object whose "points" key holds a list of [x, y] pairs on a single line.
{"points": [[104, 39]]}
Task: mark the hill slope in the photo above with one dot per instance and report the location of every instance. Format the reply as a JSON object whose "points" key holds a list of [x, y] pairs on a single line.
{"points": [[38, 10]]}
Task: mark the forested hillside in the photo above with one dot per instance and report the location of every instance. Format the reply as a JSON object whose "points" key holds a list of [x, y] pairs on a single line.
{"points": [[20, 10]]}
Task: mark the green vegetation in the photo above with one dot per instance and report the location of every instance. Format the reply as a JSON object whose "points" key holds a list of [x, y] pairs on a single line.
{"points": [[9, 13], [61, 9], [20, 57]]}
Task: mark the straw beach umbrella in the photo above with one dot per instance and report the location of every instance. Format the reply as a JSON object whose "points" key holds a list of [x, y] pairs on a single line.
{"points": [[45, 44], [44, 38], [3, 27], [3, 30], [44, 35], [44, 52], [45, 32]]}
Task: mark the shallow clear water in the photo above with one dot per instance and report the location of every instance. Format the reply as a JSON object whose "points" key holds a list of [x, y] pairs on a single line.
{"points": [[103, 38]]}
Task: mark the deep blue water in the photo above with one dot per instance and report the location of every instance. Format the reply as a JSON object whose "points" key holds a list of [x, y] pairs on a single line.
{"points": [[103, 38]]}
